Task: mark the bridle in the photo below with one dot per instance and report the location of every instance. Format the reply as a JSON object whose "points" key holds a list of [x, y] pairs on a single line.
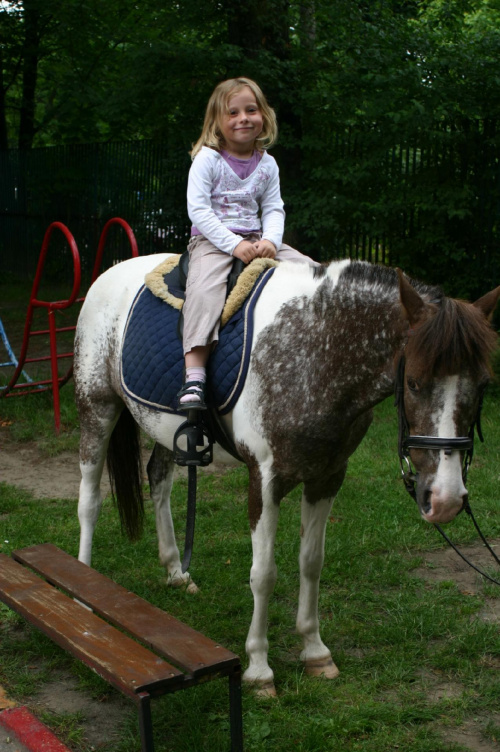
{"points": [[448, 445]]}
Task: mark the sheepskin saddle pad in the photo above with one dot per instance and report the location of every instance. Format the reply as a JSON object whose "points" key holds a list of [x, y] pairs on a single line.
{"points": [[152, 361]]}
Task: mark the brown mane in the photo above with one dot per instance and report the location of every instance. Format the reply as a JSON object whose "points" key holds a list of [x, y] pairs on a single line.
{"points": [[456, 338]]}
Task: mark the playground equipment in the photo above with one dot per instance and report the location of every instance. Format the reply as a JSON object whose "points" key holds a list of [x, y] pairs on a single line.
{"points": [[10, 354], [102, 242], [55, 382]]}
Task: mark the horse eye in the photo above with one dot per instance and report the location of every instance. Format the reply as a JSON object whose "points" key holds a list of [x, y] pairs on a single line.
{"points": [[412, 385]]}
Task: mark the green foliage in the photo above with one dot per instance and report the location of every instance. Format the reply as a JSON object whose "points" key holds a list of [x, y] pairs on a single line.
{"points": [[401, 143], [388, 111]]}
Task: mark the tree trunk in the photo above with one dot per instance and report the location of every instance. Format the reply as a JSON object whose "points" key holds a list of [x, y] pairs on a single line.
{"points": [[307, 31], [30, 70], [258, 25], [4, 141]]}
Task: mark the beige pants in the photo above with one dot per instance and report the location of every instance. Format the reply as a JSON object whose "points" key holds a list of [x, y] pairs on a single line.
{"points": [[209, 270]]}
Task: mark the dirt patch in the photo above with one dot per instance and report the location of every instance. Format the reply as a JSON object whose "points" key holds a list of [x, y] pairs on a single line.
{"points": [[447, 566], [25, 466], [101, 720], [473, 735], [438, 688]]}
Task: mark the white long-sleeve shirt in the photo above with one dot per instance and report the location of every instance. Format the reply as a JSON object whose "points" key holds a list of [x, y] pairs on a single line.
{"points": [[223, 207]]}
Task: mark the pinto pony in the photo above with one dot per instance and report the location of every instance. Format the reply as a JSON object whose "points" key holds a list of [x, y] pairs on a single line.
{"points": [[325, 349]]}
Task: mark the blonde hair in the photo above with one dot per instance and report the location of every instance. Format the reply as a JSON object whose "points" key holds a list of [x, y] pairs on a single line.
{"points": [[218, 107]]}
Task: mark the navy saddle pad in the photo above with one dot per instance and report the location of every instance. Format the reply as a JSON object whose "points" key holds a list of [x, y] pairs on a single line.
{"points": [[152, 362]]}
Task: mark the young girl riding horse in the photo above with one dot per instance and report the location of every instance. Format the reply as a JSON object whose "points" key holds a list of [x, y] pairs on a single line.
{"points": [[231, 181]]}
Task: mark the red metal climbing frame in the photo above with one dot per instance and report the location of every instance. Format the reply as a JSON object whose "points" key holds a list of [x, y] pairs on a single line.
{"points": [[56, 382], [102, 242]]}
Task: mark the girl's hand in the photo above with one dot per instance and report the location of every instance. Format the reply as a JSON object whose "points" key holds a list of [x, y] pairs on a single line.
{"points": [[265, 249], [245, 251]]}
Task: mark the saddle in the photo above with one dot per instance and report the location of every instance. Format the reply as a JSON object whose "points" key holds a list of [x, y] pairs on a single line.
{"points": [[175, 281], [152, 360], [183, 268]]}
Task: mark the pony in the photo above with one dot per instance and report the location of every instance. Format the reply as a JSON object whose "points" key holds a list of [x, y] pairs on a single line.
{"points": [[325, 350]]}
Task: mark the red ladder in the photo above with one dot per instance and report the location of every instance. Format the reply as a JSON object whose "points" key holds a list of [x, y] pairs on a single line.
{"points": [[14, 388]]}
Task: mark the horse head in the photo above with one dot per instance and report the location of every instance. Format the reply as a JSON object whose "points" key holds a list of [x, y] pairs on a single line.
{"points": [[442, 377]]}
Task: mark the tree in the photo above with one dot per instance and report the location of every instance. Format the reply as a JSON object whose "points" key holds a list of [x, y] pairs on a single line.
{"points": [[11, 57]]}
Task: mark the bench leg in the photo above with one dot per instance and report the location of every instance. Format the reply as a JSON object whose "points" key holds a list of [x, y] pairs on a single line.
{"points": [[235, 714], [145, 723]]}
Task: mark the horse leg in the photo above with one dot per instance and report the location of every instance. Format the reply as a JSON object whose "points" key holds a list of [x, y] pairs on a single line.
{"points": [[315, 655], [161, 474], [96, 428], [263, 505]]}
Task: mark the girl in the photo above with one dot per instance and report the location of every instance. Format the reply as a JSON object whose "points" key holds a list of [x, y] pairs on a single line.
{"points": [[232, 177]]}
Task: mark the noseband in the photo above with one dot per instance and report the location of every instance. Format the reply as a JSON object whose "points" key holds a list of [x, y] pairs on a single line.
{"points": [[446, 444]]}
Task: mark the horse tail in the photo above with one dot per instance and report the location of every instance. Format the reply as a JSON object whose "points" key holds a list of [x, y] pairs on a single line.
{"points": [[125, 474]]}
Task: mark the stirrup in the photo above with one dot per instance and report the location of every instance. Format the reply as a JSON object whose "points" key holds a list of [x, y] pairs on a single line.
{"points": [[189, 389]]}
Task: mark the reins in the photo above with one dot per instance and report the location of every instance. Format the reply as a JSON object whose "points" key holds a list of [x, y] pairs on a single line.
{"points": [[446, 444], [468, 510]]}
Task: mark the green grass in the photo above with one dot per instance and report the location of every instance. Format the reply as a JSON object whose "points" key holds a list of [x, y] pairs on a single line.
{"points": [[31, 418], [392, 635]]}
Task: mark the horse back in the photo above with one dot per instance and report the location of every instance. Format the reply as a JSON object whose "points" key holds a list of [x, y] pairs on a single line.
{"points": [[104, 313]]}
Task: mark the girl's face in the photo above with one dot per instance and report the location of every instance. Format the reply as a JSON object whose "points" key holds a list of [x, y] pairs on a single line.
{"points": [[242, 124]]}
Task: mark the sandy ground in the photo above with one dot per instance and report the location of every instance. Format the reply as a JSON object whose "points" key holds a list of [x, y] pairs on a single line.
{"points": [[25, 466]]}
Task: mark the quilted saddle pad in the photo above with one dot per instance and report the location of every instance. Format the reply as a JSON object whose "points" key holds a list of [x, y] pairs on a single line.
{"points": [[152, 362]]}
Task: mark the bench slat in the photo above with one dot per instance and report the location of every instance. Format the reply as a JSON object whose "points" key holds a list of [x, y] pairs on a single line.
{"points": [[183, 646], [121, 661]]}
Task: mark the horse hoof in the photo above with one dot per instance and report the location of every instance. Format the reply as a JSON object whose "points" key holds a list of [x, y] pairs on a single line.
{"points": [[267, 689], [325, 668], [183, 582]]}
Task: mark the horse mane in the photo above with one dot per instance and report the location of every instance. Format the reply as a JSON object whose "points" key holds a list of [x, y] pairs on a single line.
{"points": [[384, 281], [456, 337]]}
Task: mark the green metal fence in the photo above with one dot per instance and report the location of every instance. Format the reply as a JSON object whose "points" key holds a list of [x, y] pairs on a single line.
{"points": [[83, 186], [430, 204], [428, 201]]}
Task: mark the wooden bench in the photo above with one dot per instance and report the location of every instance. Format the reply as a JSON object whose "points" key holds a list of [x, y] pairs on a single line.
{"points": [[131, 667]]}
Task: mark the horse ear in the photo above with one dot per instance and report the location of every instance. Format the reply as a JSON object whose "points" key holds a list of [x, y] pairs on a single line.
{"points": [[488, 302], [411, 301]]}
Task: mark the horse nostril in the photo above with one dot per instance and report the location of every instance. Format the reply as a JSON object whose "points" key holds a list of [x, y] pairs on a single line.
{"points": [[426, 503]]}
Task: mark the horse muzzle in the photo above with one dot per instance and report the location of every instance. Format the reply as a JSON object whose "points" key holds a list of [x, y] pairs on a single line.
{"points": [[439, 491], [440, 503]]}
